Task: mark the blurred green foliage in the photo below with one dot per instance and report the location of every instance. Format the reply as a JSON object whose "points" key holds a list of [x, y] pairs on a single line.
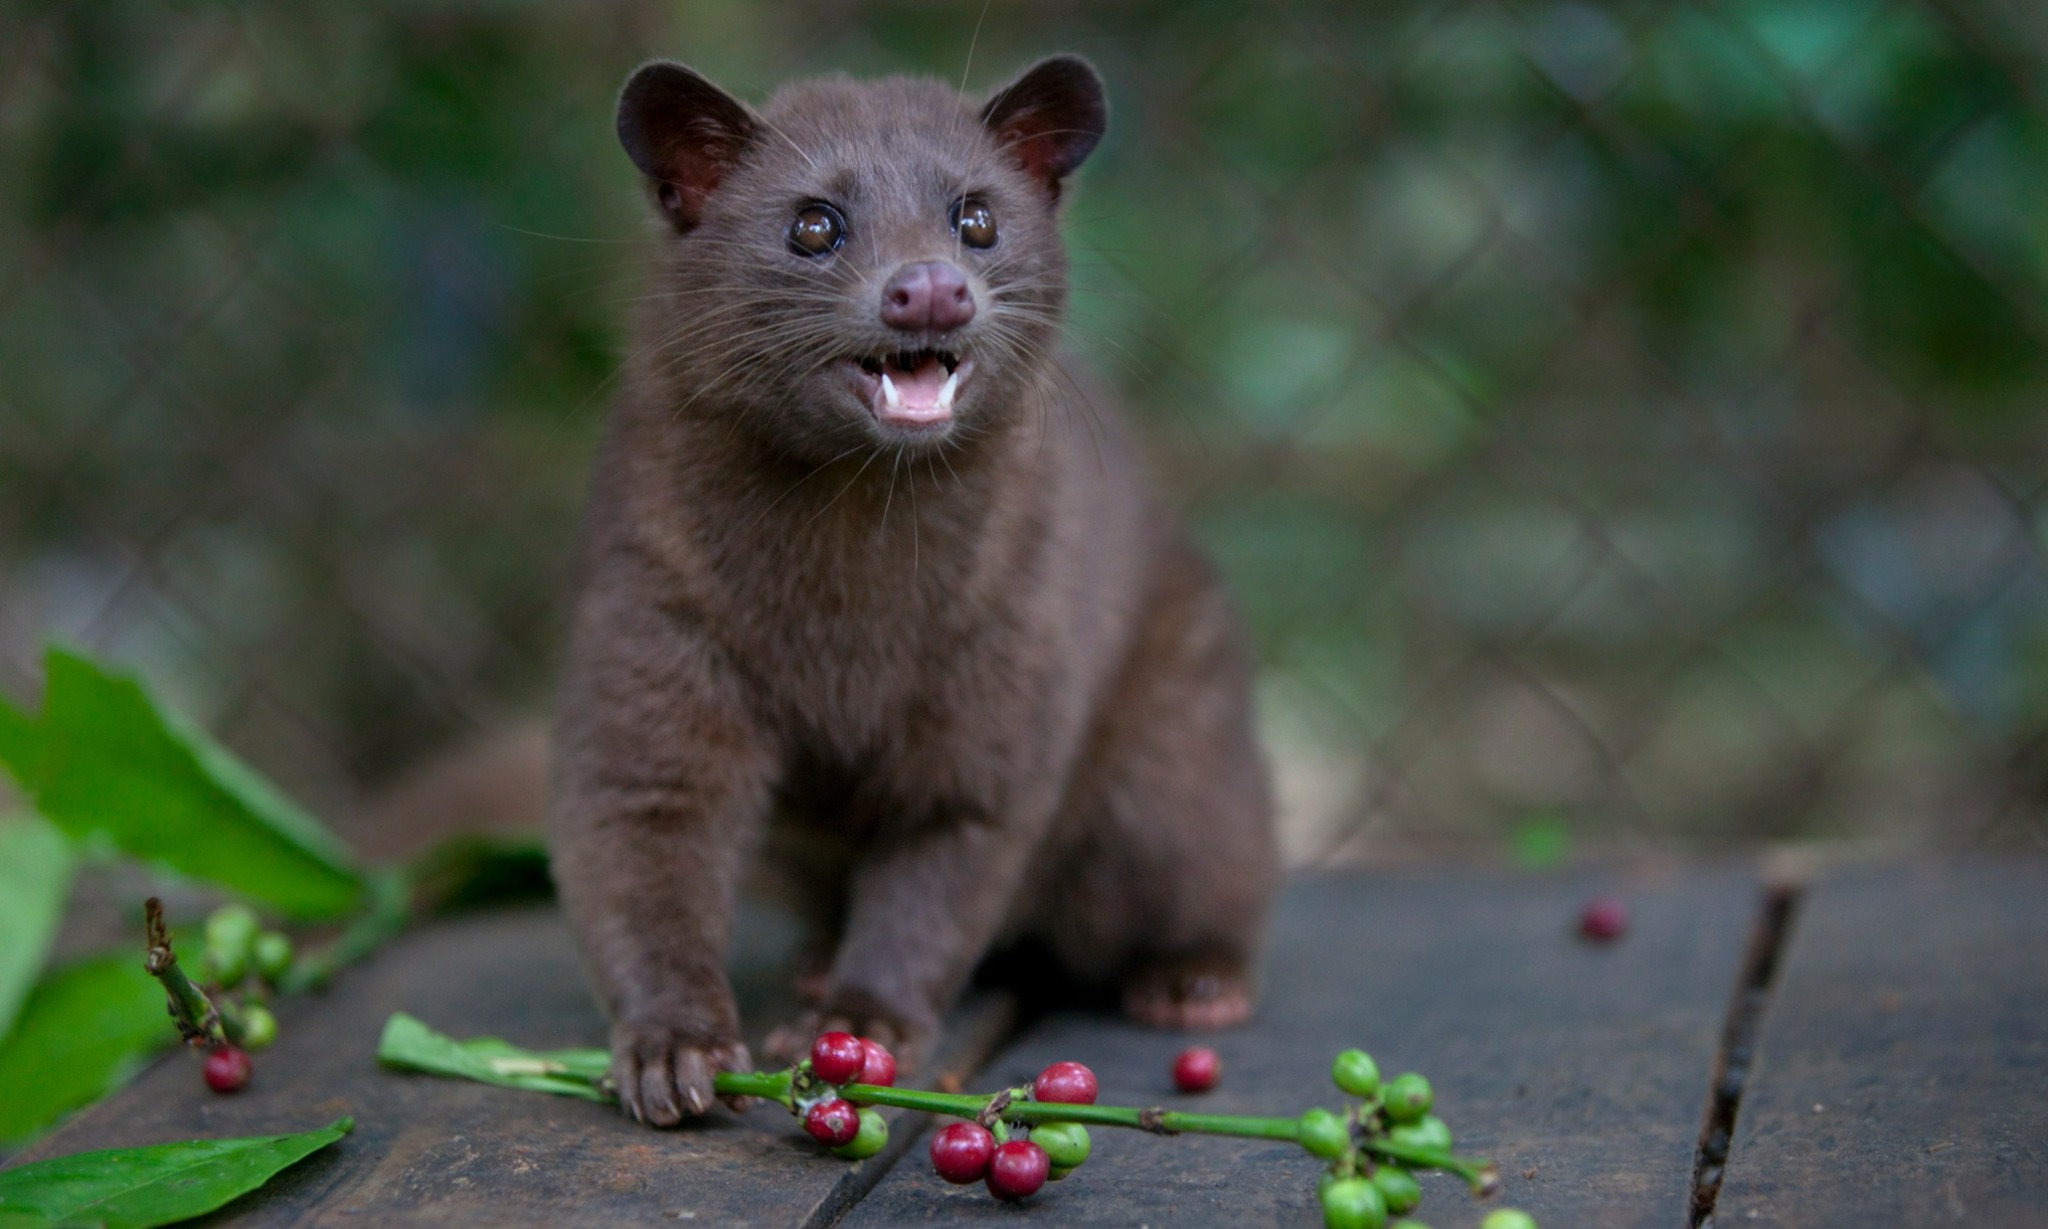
{"points": [[110, 770], [35, 878], [112, 775], [1626, 411], [86, 1028]]}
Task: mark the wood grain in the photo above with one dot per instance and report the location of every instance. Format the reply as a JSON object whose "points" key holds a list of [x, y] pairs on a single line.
{"points": [[1586, 1066], [1901, 1072]]}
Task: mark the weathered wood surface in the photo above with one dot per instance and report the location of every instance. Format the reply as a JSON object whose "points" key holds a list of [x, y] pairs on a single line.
{"points": [[1901, 1073], [429, 1151], [1588, 1067], [1911, 1005]]}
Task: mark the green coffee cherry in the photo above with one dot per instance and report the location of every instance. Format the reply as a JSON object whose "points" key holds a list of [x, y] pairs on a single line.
{"points": [[1407, 1224], [1398, 1187], [1508, 1218], [225, 969], [1356, 1073], [232, 924], [1066, 1144], [1432, 1133], [1055, 1173], [872, 1138], [230, 933], [259, 1027], [1324, 1134], [1353, 1203], [1408, 1097], [272, 955]]}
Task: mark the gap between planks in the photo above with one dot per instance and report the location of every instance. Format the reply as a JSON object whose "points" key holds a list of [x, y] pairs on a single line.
{"points": [[1737, 1051]]}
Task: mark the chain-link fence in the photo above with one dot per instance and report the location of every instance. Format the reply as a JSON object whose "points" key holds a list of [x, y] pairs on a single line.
{"points": [[1618, 419]]}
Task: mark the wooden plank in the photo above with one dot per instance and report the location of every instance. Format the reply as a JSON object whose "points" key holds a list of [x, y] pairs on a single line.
{"points": [[1585, 1067], [1901, 1071], [430, 1151]]}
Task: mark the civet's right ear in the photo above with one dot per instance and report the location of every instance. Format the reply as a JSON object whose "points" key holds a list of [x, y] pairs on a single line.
{"points": [[684, 133]]}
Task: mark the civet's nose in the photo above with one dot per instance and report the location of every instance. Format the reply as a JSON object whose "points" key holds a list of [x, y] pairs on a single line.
{"points": [[928, 296]]}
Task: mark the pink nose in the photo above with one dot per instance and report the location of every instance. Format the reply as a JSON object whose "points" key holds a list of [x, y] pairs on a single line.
{"points": [[929, 296]]}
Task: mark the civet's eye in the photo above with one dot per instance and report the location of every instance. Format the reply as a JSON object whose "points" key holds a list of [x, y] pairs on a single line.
{"points": [[973, 222], [817, 231]]}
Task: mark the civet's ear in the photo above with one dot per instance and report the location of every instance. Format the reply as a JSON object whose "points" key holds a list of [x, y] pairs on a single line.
{"points": [[684, 133], [1050, 118]]}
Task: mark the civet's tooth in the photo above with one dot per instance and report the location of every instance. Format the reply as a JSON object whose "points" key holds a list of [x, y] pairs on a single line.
{"points": [[890, 397]]}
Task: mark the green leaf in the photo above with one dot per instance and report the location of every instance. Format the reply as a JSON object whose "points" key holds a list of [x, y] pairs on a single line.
{"points": [[1541, 841], [17, 736], [573, 1073], [137, 1188], [84, 1029], [35, 877], [105, 763], [470, 872]]}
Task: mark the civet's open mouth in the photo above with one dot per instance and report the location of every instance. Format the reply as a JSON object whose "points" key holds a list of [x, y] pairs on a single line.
{"points": [[912, 388]]}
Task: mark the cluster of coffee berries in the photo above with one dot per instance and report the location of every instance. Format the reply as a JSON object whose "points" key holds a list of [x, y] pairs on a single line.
{"points": [[1013, 1162], [1361, 1188], [239, 953], [1017, 1139], [834, 1121]]}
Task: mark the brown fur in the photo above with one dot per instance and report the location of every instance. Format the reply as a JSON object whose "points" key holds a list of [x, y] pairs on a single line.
{"points": [[977, 687]]}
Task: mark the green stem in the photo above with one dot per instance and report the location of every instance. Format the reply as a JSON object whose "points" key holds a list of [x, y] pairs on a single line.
{"points": [[1480, 1176], [1242, 1126], [959, 1105], [196, 1016], [967, 1105], [1167, 1121], [769, 1085]]}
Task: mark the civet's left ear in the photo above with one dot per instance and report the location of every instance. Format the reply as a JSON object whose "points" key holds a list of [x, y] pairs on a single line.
{"points": [[1051, 118]]}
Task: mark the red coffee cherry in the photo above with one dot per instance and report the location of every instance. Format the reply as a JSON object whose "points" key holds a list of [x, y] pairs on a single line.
{"points": [[837, 1057], [961, 1152], [227, 1069], [878, 1066], [833, 1123], [1018, 1169], [1604, 919], [1196, 1069], [1066, 1084]]}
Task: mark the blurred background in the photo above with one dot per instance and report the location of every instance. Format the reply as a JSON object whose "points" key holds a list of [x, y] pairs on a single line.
{"points": [[1623, 423]]}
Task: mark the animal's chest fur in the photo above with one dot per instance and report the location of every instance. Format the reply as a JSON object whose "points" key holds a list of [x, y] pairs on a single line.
{"points": [[886, 641]]}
